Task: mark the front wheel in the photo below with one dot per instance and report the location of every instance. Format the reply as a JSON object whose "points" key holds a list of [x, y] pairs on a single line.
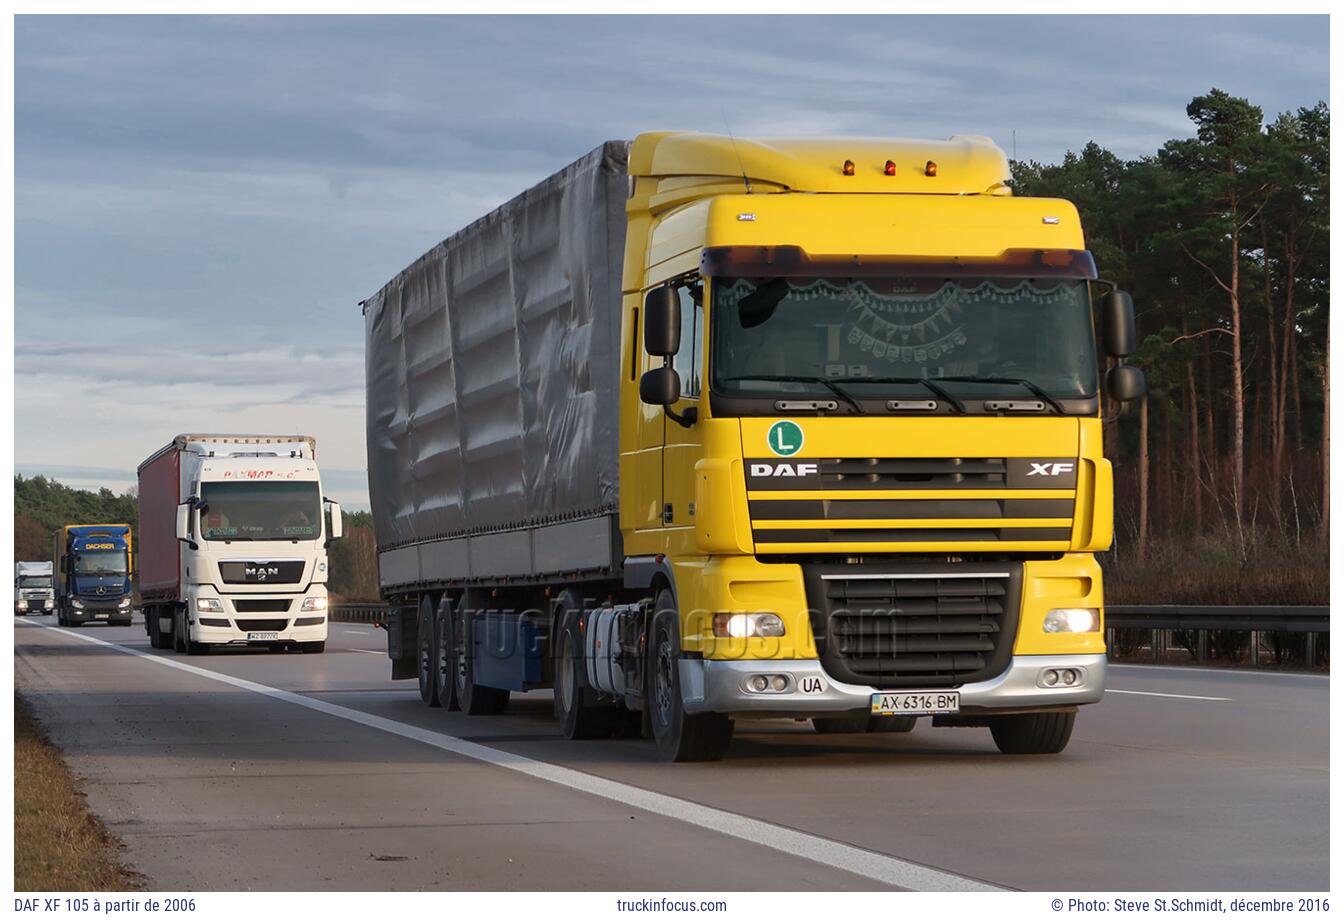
{"points": [[681, 737], [1035, 733]]}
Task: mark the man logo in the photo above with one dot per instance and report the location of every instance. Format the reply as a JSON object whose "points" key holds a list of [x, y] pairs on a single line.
{"points": [[784, 438], [764, 470], [260, 572], [1050, 469]]}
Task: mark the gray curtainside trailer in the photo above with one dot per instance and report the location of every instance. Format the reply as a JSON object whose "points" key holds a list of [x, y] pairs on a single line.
{"points": [[492, 396]]}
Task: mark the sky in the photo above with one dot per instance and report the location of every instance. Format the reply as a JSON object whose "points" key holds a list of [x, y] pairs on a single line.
{"points": [[201, 202]]}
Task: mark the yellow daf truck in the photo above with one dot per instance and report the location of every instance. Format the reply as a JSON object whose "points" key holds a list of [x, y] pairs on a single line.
{"points": [[703, 429]]}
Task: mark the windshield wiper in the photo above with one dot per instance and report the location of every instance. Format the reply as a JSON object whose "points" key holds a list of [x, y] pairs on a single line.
{"points": [[1018, 381], [828, 384], [929, 385]]}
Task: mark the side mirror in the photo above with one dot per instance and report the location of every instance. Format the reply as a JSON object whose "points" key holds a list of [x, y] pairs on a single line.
{"points": [[662, 322], [660, 386], [1125, 382], [337, 528], [1117, 325]]}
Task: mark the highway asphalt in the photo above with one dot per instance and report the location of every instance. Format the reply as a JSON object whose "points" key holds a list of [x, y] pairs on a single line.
{"points": [[251, 770]]}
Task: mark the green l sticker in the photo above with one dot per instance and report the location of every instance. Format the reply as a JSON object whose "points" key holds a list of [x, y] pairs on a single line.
{"points": [[784, 438]]}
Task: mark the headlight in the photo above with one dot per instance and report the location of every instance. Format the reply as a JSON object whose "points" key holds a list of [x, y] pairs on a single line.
{"points": [[1073, 620], [22, 605], [744, 625], [209, 605], [125, 602], [76, 603], [313, 603]]}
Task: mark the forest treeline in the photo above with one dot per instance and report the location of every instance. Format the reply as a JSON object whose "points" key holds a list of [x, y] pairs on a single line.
{"points": [[1222, 479]]}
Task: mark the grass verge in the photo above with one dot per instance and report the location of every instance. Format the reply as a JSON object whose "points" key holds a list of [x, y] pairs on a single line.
{"points": [[58, 844]]}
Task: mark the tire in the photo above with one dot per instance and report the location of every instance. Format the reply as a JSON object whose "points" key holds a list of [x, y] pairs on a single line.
{"points": [[1036, 733], [575, 710], [881, 725], [681, 737], [180, 631], [472, 698], [313, 648], [424, 651], [445, 659]]}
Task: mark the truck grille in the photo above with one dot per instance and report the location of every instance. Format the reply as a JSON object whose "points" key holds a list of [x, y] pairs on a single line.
{"points": [[901, 626], [786, 517], [262, 625], [286, 572], [261, 604]]}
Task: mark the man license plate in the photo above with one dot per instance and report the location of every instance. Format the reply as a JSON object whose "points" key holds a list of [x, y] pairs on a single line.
{"points": [[916, 704], [262, 636]]}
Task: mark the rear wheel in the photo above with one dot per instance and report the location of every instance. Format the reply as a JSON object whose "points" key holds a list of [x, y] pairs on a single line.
{"points": [[579, 716], [424, 643], [680, 736], [473, 699], [444, 657], [1035, 733]]}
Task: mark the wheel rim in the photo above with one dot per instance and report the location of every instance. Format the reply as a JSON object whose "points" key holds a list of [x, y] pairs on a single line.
{"points": [[459, 633], [662, 680], [444, 662]]}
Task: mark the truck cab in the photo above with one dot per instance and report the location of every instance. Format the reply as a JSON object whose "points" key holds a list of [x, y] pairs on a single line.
{"points": [[33, 589], [861, 456], [94, 567]]}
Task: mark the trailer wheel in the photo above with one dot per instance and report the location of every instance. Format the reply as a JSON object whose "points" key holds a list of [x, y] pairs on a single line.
{"points": [[473, 699], [1035, 733], [445, 659], [579, 718], [680, 736], [425, 651]]}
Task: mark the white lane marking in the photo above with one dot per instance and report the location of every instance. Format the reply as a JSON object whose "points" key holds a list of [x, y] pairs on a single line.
{"points": [[366, 651], [355, 632], [885, 869], [1174, 696], [1230, 672]]}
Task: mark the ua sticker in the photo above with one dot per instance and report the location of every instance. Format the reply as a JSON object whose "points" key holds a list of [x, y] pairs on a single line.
{"points": [[785, 438]]}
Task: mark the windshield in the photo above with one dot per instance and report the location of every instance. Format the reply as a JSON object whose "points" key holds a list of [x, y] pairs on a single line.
{"points": [[857, 334], [34, 581], [261, 511], [100, 562]]}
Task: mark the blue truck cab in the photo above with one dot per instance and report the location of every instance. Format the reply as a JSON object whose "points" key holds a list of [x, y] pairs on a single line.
{"points": [[93, 574]]}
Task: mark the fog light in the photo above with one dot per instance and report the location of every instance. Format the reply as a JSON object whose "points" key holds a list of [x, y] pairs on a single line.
{"points": [[779, 683], [1073, 620], [209, 605], [759, 683], [314, 603], [747, 625], [1051, 677], [1069, 677]]}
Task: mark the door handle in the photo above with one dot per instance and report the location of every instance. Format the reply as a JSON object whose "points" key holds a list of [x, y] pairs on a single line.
{"points": [[667, 513]]}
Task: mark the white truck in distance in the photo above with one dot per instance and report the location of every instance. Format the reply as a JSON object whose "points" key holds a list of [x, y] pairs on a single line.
{"points": [[33, 592], [233, 543]]}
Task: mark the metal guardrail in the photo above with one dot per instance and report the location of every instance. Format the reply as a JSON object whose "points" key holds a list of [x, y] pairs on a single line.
{"points": [[1160, 619], [358, 613]]}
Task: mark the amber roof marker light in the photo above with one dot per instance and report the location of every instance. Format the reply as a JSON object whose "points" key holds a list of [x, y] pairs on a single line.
{"points": [[890, 168], [930, 168], [848, 168]]}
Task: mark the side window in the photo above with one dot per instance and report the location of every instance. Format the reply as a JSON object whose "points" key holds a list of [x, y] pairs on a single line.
{"points": [[687, 360]]}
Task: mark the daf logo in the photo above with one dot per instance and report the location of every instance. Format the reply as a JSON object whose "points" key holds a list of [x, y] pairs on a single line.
{"points": [[1049, 469], [782, 470], [260, 572]]}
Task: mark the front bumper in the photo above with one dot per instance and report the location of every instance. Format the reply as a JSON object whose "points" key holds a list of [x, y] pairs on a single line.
{"points": [[99, 611], [720, 686]]}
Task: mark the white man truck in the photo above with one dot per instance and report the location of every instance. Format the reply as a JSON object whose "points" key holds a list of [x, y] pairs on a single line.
{"points": [[33, 592], [234, 543]]}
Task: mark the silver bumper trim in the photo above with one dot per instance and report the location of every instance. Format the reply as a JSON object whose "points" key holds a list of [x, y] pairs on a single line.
{"points": [[721, 686]]}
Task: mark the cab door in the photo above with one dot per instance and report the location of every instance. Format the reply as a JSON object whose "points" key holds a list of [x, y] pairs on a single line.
{"points": [[683, 446]]}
